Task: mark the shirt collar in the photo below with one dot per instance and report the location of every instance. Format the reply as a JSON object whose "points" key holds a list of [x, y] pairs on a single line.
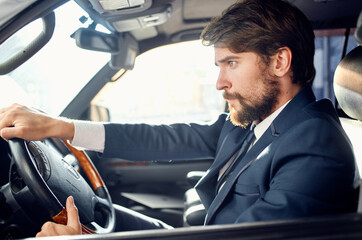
{"points": [[261, 127]]}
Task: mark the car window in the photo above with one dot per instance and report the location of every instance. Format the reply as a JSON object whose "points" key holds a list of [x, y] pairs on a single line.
{"points": [[51, 78], [174, 83], [328, 53]]}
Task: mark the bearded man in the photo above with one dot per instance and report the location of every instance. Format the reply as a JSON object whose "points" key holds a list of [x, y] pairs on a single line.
{"points": [[278, 154]]}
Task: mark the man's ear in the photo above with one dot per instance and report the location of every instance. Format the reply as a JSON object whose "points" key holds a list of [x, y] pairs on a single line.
{"points": [[282, 61]]}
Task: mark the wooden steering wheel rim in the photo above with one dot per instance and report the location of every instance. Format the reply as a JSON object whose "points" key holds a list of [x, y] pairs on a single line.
{"points": [[88, 167]]}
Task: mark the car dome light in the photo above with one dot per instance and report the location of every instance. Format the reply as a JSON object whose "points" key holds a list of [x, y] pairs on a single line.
{"points": [[142, 22], [120, 4]]}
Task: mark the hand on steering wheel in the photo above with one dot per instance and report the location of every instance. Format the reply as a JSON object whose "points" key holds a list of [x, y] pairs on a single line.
{"points": [[73, 226]]}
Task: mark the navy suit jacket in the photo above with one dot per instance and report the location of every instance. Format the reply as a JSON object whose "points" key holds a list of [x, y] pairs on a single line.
{"points": [[303, 165]]}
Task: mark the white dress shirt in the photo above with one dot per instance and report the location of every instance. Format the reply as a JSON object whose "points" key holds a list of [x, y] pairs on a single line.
{"points": [[89, 135]]}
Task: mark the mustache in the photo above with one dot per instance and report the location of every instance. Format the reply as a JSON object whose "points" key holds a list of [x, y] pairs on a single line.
{"points": [[229, 96]]}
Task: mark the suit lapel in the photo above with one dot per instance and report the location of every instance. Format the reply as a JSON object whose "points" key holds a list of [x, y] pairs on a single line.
{"points": [[249, 158], [230, 144]]}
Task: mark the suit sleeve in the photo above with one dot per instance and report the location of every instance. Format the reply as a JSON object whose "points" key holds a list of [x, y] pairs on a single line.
{"points": [[311, 173], [142, 142]]}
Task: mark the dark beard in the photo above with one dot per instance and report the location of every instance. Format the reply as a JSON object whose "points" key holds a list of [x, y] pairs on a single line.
{"points": [[260, 108]]}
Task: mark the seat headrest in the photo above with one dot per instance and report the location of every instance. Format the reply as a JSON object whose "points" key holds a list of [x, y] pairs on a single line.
{"points": [[348, 83]]}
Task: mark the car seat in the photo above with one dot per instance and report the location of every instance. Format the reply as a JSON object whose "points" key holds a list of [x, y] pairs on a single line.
{"points": [[194, 212], [348, 91]]}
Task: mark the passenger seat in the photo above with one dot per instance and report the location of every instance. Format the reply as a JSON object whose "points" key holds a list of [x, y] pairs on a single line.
{"points": [[348, 91]]}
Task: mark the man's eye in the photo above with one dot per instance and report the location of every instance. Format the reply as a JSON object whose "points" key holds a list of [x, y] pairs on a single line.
{"points": [[232, 63]]}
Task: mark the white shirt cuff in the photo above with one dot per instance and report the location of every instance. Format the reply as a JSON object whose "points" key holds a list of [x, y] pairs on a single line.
{"points": [[89, 135]]}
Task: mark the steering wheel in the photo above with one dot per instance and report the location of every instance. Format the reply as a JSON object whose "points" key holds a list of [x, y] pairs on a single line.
{"points": [[51, 178]]}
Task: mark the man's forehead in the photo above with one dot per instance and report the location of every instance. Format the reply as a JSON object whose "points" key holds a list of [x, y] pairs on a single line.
{"points": [[223, 55]]}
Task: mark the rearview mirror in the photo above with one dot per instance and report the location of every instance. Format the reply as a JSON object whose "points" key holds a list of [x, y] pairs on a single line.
{"points": [[123, 47], [97, 41]]}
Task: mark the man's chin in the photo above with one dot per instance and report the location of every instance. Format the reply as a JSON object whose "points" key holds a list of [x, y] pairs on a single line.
{"points": [[235, 120]]}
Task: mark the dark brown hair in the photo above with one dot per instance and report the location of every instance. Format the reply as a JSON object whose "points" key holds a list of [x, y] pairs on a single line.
{"points": [[263, 27]]}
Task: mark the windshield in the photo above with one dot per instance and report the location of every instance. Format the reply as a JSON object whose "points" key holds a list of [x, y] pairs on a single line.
{"points": [[51, 78], [172, 83]]}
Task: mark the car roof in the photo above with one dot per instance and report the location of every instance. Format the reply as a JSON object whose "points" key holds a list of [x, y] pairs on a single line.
{"points": [[160, 22], [188, 17]]}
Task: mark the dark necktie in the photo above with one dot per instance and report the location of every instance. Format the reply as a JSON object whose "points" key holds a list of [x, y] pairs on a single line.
{"points": [[243, 150]]}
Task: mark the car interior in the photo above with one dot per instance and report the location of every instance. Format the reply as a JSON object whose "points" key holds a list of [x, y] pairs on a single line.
{"points": [[33, 188]]}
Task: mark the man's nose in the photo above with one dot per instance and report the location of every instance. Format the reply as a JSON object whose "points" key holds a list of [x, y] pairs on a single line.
{"points": [[222, 83]]}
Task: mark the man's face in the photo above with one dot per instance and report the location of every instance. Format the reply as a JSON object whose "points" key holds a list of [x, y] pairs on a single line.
{"points": [[251, 92]]}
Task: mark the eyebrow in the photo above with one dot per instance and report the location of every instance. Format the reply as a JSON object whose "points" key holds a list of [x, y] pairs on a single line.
{"points": [[227, 58]]}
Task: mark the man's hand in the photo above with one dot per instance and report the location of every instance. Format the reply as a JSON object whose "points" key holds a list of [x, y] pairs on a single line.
{"points": [[30, 124], [73, 226]]}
